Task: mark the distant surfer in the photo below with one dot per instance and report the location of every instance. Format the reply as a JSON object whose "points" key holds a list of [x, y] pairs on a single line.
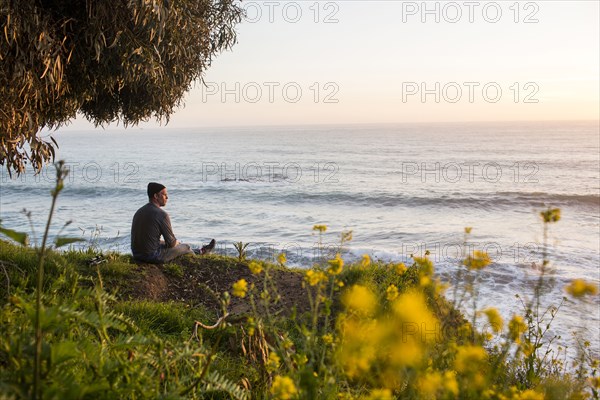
{"points": [[151, 222]]}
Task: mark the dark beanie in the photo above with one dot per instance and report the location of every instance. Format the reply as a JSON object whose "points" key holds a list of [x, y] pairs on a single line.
{"points": [[154, 188]]}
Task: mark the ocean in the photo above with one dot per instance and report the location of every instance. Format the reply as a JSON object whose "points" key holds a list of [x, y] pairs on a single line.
{"points": [[401, 189]]}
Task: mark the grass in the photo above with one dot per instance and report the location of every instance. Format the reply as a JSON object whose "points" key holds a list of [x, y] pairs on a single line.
{"points": [[372, 331]]}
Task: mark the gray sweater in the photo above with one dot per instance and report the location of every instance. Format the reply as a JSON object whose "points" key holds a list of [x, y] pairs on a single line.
{"points": [[150, 223]]}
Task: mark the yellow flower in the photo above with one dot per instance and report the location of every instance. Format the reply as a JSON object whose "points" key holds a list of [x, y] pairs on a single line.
{"points": [[551, 215], [414, 315], [366, 261], [468, 229], [346, 236], [360, 300], [479, 260], [379, 394], [327, 339], [300, 359], [281, 258], [358, 349], [469, 359], [494, 319], [283, 388], [450, 383], [424, 264], [400, 268], [335, 265], [391, 293], [255, 268], [527, 348], [320, 228], [273, 362], [529, 395], [429, 384], [580, 288], [251, 326], [240, 288], [516, 327], [314, 277], [425, 281]]}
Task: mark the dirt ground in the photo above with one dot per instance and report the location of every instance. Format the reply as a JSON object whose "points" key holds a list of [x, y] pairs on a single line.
{"points": [[185, 280]]}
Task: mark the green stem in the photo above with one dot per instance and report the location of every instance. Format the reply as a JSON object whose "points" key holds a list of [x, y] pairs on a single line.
{"points": [[61, 173], [38, 302]]}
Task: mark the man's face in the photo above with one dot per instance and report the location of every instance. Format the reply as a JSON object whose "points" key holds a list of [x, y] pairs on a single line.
{"points": [[162, 197]]}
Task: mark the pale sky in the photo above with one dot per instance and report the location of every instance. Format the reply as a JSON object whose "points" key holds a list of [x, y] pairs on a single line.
{"points": [[334, 62]]}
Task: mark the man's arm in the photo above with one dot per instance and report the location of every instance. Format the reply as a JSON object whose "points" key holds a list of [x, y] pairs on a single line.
{"points": [[167, 232]]}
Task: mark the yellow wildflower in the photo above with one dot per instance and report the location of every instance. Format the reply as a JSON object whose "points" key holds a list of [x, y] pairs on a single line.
{"points": [[346, 236], [468, 229], [240, 288], [366, 261], [359, 344], [320, 228], [283, 388], [408, 351], [450, 383], [391, 293], [580, 288], [335, 265], [314, 277], [424, 264], [424, 281], [300, 359], [477, 261], [400, 268], [379, 394], [527, 348], [594, 382], [429, 384], [494, 319], [287, 343], [281, 258], [516, 327], [551, 215], [360, 300], [529, 395], [415, 317], [273, 362], [327, 339], [251, 326], [255, 268], [469, 359]]}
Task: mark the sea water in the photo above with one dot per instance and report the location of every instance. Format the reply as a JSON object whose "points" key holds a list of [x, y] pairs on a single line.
{"points": [[402, 189]]}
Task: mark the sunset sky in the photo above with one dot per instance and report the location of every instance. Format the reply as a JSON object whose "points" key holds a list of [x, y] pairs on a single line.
{"points": [[330, 62]]}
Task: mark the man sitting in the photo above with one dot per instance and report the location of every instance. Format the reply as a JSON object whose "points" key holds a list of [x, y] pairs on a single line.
{"points": [[149, 223]]}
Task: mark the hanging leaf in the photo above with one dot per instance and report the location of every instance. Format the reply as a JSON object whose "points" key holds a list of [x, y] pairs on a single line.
{"points": [[18, 237], [63, 240]]}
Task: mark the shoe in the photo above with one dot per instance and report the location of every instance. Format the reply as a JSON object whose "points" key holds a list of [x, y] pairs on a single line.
{"points": [[209, 247]]}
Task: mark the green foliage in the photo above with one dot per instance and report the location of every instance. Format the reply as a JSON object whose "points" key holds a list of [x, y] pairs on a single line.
{"points": [[93, 350], [109, 61], [61, 241], [18, 237], [173, 269], [240, 247], [372, 331], [163, 319]]}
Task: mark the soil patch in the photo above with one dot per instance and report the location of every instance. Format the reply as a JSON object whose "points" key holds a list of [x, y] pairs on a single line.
{"points": [[187, 278]]}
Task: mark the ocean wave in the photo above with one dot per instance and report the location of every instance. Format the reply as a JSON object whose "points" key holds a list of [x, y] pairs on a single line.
{"points": [[270, 192], [555, 198], [500, 200]]}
